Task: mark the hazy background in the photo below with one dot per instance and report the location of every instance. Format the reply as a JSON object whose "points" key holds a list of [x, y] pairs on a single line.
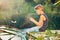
{"points": [[20, 10]]}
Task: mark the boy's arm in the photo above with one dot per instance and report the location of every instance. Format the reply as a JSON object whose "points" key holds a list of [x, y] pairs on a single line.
{"points": [[40, 23]]}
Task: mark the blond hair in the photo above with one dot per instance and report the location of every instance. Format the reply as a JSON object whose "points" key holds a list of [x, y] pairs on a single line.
{"points": [[38, 6]]}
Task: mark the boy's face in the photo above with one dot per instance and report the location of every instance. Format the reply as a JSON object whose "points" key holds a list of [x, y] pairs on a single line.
{"points": [[38, 11]]}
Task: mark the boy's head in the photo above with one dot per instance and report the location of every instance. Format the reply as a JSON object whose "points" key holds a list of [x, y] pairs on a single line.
{"points": [[38, 8]]}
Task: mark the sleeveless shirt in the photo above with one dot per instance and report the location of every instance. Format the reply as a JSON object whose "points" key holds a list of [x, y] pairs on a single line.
{"points": [[45, 23]]}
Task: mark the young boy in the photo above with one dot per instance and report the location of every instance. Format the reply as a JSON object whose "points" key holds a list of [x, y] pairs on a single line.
{"points": [[41, 25]]}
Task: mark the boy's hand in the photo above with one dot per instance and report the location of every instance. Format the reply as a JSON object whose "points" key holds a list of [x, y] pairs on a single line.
{"points": [[31, 19]]}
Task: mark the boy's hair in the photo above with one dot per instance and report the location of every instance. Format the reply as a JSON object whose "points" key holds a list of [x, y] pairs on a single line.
{"points": [[38, 6]]}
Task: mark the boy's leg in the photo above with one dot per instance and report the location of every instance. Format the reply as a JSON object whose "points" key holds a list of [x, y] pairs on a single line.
{"points": [[33, 29], [23, 32]]}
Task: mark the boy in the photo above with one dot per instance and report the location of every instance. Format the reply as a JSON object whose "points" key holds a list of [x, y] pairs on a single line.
{"points": [[41, 25]]}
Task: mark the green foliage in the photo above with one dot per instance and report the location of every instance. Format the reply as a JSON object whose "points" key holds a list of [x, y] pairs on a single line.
{"points": [[40, 38], [49, 33], [21, 10]]}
